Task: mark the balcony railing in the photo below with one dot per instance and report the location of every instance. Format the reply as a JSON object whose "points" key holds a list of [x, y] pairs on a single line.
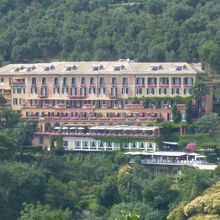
{"points": [[188, 85], [164, 84], [77, 96], [152, 85], [42, 95]]}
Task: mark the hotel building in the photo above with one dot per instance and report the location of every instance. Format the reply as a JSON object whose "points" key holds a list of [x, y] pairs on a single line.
{"points": [[83, 95]]}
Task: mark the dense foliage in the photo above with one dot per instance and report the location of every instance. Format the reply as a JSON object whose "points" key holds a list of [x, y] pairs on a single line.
{"points": [[158, 30], [58, 185]]}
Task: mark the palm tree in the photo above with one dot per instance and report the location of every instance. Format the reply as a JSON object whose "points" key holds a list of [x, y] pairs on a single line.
{"points": [[24, 132], [199, 90]]}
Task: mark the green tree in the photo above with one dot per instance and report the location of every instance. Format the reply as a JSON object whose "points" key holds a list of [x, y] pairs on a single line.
{"points": [[24, 131], [61, 195], [158, 192], [2, 100], [19, 183], [107, 193], [7, 145], [189, 111], [200, 89], [8, 118], [137, 210], [208, 123], [210, 55], [176, 114], [44, 212]]}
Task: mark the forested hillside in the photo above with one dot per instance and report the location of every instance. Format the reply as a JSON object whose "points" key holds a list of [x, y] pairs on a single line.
{"points": [[144, 30]]}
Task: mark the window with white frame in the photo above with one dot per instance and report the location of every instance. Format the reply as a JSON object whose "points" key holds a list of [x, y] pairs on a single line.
{"points": [[175, 91], [139, 91], [92, 91], [163, 91], [102, 90], [124, 91], [150, 91]]}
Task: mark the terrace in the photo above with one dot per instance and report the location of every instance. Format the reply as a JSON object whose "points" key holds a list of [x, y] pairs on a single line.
{"points": [[103, 131]]}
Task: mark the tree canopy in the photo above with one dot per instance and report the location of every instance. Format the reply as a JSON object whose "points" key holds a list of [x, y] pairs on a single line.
{"points": [[36, 30]]}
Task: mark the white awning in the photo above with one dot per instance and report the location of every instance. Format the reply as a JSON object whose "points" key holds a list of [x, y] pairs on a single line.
{"points": [[57, 128], [72, 128], [64, 128], [170, 143], [80, 128]]}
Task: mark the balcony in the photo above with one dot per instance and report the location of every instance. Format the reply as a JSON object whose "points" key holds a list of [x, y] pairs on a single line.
{"points": [[134, 106], [114, 96], [18, 83], [76, 96], [163, 85], [141, 85], [42, 96], [151, 85], [6, 93], [188, 85], [88, 106], [61, 105], [176, 84]]}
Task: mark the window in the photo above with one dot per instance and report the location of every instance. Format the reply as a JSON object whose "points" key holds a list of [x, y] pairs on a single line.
{"points": [[18, 90], [188, 81], [175, 91], [102, 81], [139, 91], [64, 90], [65, 143], [97, 67], [152, 81], [162, 91], [102, 91], [2, 80], [140, 81], [92, 90], [92, 81], [70, 67], [187, 91], [176, 81], [83, 91], [56, 81], [114, 81], [150, 91], [73, 91], [156, 68], [125, 81], [44, 80], [83, 80], [34, 81], [124, 91], [65, 81], [56, 90], [44, 91], [73, 81], [180, 68], [114, 91], [164, 81], [41, 140], [77, 143], [15, 101], [118, 67]]}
